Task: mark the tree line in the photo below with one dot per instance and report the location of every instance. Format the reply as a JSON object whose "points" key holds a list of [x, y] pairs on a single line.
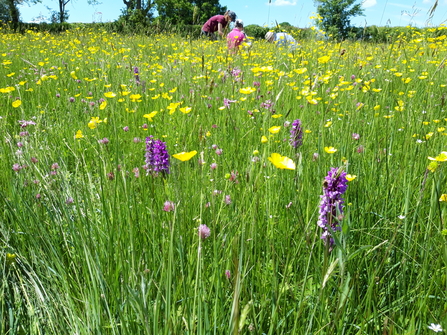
{"points": [[178, 12]]}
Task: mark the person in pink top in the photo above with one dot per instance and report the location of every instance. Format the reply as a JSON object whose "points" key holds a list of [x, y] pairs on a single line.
{"points": [[218, 23], [236, 36]]}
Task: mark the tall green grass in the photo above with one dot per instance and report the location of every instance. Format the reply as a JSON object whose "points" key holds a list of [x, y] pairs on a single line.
{"points": [[88, 249]]}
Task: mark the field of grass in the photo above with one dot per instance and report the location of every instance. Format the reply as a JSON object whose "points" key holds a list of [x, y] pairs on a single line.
{"points": [[222, 237]]}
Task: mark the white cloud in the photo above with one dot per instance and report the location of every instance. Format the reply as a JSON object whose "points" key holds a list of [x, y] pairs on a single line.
{"points": [[369, 3], [283, 3]]}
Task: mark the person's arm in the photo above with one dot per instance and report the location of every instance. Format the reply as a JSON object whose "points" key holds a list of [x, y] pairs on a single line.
{"points": [[220, 29]]}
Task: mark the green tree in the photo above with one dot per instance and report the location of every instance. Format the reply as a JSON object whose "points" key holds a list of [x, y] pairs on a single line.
{"points": [[137, 13], [4, 11], [206, 9], [5, 15], [145, 7], [285, 24], [335, 16], [12, 10], [181, 12]]}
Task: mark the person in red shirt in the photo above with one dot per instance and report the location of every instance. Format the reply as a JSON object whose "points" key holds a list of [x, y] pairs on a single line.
{"points": [[218, 23], [236, 36]]}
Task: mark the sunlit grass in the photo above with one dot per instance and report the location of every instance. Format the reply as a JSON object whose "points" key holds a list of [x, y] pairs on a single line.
{"points": [[95, 242]]}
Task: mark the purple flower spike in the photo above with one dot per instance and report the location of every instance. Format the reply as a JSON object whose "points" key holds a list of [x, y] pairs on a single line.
{"points": [[296, 134], [136, 73], [331, 204], [157, 157]]}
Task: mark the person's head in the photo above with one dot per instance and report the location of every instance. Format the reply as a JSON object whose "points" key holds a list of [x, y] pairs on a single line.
{"points": [[270, 36], [239, 24], [230, 16]]}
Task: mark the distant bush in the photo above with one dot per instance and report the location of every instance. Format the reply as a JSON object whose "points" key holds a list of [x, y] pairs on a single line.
{"points": [[255, 31]]}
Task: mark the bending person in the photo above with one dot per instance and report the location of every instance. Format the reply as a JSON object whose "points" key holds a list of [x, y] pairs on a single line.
{"points": [[218, 23], [281, 40]]}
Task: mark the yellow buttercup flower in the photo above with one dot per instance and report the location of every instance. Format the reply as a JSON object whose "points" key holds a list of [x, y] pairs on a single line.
{"points": [[16, 103], [300, 70], [274, 129], [264, 139], [432, 166], [330, 150], [442, 157], [79, 134], [428, 135], [185, 156], [135, 97], [173, 106], [350, 177], [247, 90], [103, 105], [443, 198], [110, 95], [94, 121], [73, 75], [185, 110], [311, 101], [7, 89], [166, 96], [150, 116], [282, 162], [323, 59]]}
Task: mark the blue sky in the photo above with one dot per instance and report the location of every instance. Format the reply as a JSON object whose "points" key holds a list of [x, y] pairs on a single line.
{"points": [[261, 12]]}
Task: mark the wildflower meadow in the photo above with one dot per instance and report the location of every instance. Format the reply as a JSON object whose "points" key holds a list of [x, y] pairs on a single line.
{"points": [[162, 185]]}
